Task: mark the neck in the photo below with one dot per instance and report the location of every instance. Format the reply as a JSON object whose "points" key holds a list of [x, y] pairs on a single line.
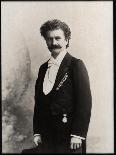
{"points": [[54, 55]]}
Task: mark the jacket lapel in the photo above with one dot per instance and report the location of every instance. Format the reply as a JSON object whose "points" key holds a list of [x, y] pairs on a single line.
{"points": [[45, 67], [62, 69]]}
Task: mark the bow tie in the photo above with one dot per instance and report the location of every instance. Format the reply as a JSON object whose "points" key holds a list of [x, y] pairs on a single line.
{"points": [[52, 63]]}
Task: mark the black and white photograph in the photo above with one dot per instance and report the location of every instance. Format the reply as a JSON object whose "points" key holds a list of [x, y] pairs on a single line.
{"points": [[57, 77]]}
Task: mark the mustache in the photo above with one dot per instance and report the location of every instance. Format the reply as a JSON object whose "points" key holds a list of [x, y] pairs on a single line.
{"points": [[55, 47]]}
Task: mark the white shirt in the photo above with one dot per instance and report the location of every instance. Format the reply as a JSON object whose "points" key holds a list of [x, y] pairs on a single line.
{"points": [[50, 76]]}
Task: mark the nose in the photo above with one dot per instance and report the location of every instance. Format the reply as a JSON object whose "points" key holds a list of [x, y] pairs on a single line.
{"points": [[54, 42]]}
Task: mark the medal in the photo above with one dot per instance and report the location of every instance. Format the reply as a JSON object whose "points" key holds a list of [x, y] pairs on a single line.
{"points": [[64, 120]]}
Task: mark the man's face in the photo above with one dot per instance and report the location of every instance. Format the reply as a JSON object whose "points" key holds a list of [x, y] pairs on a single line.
{"points": [[56, 41]]}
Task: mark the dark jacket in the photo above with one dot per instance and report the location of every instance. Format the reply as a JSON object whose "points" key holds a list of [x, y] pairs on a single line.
{"points": [[71, 95]]}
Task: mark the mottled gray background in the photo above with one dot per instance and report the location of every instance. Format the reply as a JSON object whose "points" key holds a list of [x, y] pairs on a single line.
{"points": [[24, 50]]}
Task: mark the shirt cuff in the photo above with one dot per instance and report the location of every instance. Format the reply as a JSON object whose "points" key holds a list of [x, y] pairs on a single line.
{"points": [[36, 135], [78, 137]]}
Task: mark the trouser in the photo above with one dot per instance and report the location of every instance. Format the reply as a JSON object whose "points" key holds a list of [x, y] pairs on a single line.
{"points": [[48, 148], [55, 138], [54, 133]]}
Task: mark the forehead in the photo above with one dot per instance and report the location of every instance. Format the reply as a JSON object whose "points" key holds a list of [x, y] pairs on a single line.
{"points": [[56, 32]]}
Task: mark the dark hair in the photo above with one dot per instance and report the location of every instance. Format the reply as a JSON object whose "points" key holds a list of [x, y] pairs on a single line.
{"points": [[53, 25]]}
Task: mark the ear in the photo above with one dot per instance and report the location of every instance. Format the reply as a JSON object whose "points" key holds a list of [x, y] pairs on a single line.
{"points": [[67, 43]]}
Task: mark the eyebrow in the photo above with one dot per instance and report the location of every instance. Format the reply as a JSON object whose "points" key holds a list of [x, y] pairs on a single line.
{"points": [[54, 37]]}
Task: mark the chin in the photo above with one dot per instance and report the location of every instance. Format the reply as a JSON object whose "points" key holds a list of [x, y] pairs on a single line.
{"points": [[56, 51]]}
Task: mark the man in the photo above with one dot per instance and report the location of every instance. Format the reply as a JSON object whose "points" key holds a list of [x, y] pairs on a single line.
{"points": [[62, 96]]}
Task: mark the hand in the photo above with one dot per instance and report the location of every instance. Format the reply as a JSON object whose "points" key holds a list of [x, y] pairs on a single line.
{"points": [[37, 139], [75, 143]]}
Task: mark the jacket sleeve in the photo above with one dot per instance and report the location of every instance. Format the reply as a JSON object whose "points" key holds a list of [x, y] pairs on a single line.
{"points": [[82, 99], [36, 106]]}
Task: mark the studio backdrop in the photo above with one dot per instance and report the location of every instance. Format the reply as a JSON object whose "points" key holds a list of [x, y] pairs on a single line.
{"points": [[24, 50]]}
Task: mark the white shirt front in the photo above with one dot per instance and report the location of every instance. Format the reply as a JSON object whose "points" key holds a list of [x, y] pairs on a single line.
{"points": [[53, 67]]}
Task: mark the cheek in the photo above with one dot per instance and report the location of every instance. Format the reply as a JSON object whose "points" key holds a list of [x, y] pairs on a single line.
{"points": [[48, 43], [63, 43]]}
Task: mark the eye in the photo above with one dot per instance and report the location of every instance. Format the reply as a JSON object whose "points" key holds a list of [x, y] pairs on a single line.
{"points": [[48, 39], [57, 38]]}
